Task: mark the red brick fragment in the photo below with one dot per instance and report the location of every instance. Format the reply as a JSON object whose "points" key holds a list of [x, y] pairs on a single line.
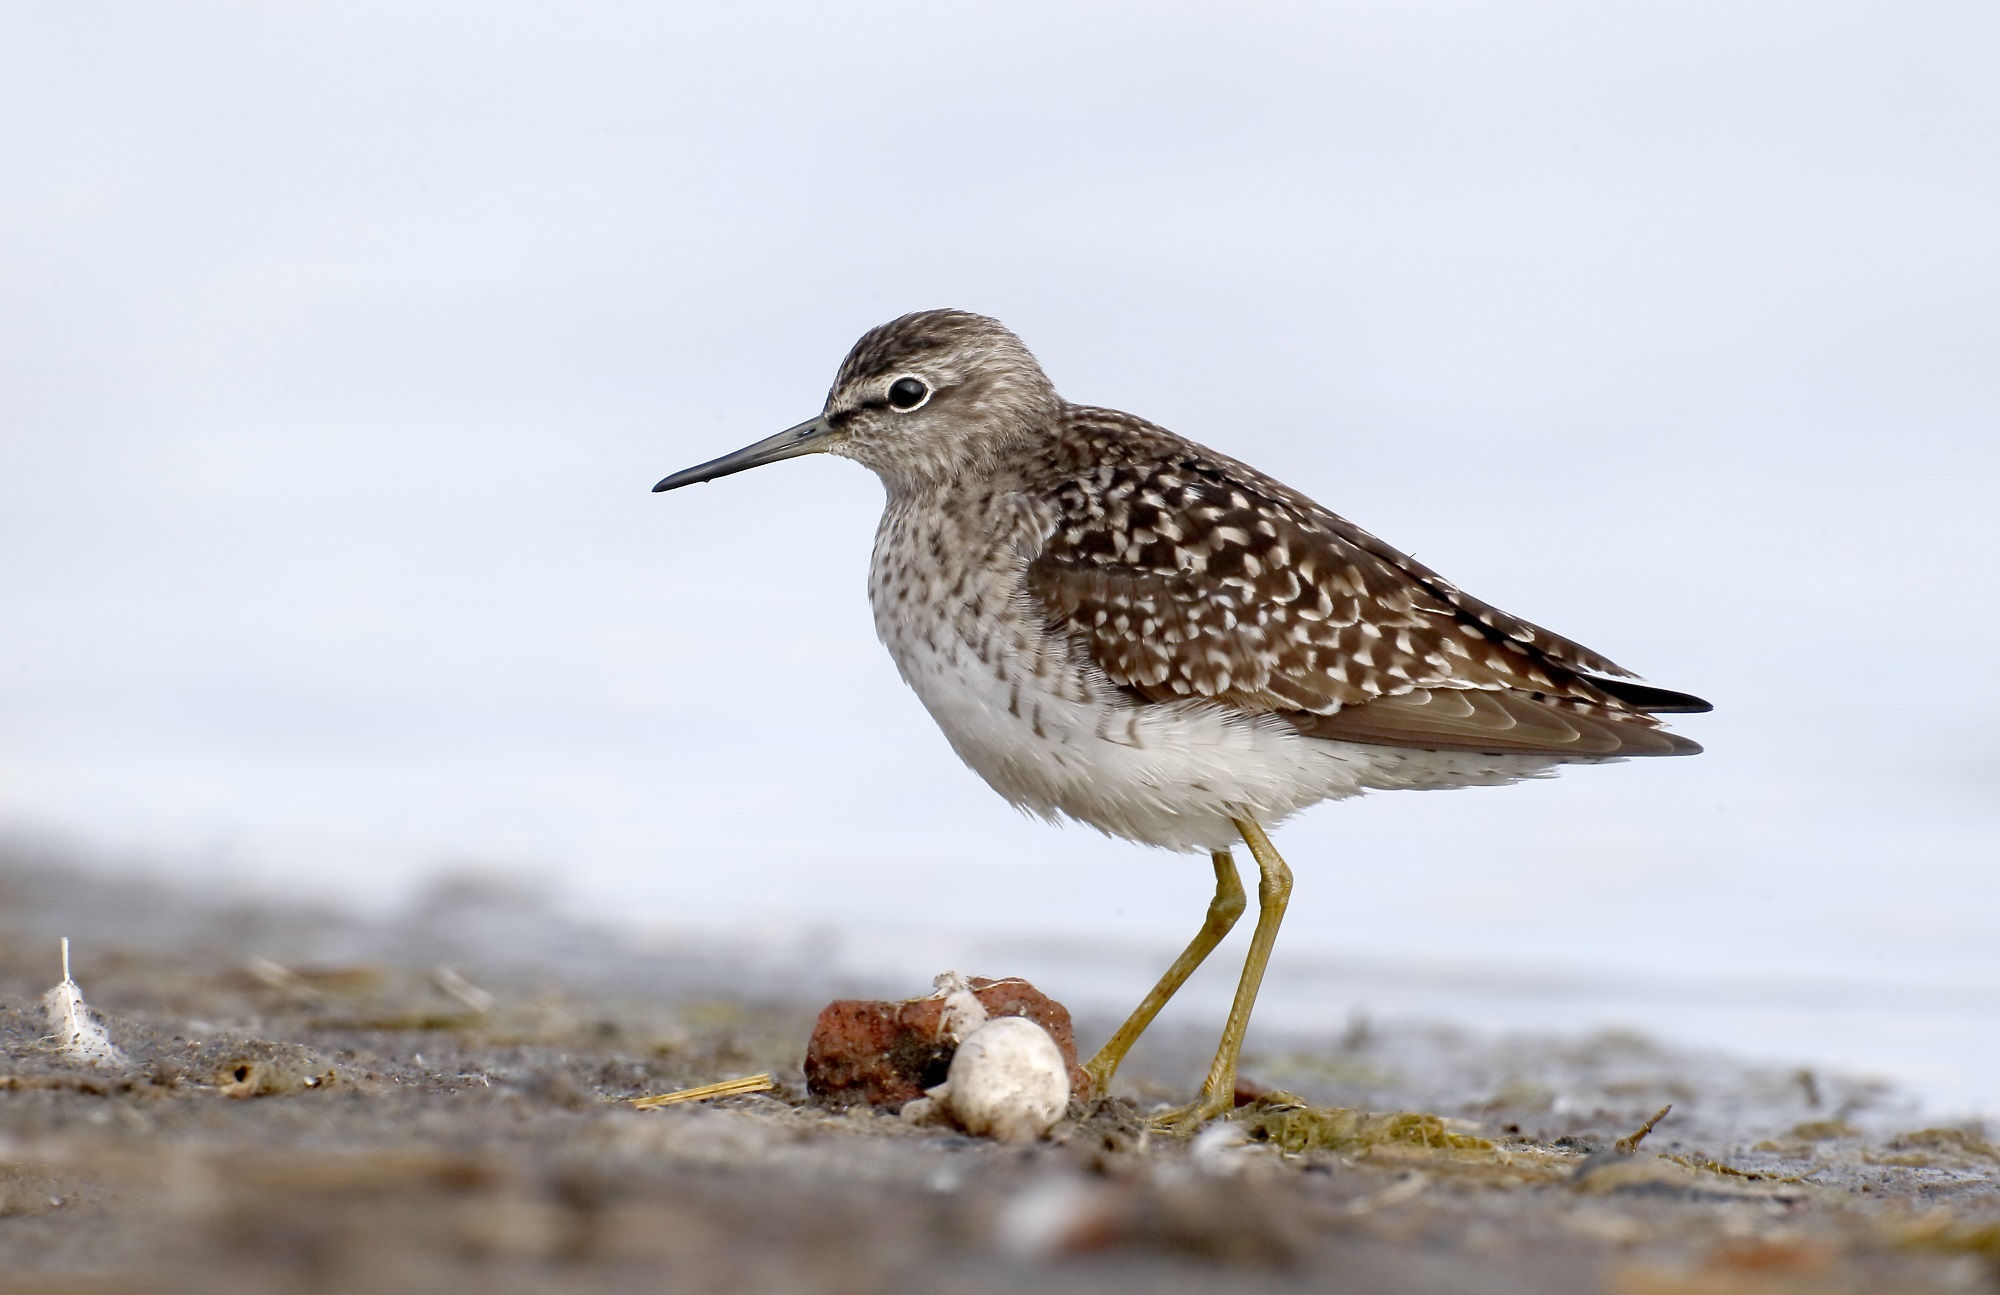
{"points": [[886, 1053]]}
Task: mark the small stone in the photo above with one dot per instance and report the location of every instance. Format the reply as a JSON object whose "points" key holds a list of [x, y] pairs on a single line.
{"points": [[1224, 1150], [886, 1053], [1065, 1214], [1008, 1081]]}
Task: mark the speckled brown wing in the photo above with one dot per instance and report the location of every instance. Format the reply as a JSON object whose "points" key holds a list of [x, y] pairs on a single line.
{"points": [[1184, 574]]}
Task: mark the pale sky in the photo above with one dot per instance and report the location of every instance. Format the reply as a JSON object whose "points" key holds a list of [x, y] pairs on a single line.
{"points": [[341, 344]]}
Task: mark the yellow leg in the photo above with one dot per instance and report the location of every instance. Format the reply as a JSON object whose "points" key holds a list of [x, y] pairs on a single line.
{"points": [[1274, 890], [1223, 911]]}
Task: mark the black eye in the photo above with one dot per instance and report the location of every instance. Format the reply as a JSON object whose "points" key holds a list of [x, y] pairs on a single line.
{"points": [[908, 393]]}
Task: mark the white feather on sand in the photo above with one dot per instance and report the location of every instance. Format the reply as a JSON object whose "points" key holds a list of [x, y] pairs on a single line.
{"points": [[79, 1035]]}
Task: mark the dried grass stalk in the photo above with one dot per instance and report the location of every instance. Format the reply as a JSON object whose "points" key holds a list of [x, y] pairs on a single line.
{"points": [[727, 1088]]}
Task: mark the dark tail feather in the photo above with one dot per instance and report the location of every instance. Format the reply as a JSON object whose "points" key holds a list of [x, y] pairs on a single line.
{"points": [[1658, 701]]}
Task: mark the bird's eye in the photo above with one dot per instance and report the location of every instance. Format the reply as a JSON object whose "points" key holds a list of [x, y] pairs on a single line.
{"points": [[907, 393]]}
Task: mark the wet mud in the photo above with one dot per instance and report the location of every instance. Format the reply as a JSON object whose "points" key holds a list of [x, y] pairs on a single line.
{"points": [[441, 1100]]}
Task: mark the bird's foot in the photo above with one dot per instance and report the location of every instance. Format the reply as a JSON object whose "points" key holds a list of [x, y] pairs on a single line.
{"points": [[1183, 1121], [1099, 1076]]}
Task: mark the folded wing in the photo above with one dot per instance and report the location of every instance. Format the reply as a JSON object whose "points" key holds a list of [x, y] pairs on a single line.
{"points": [[1185, 575]]}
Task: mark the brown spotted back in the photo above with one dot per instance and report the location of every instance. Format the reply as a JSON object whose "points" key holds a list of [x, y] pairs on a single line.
{"points": [[1184, 574]]}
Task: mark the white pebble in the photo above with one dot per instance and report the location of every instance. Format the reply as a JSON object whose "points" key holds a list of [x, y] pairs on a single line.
{"points": [[1007, 1081], [1054, 1216]]}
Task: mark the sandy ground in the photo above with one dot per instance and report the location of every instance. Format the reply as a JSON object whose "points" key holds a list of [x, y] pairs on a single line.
{"points": [[436, 1101]]}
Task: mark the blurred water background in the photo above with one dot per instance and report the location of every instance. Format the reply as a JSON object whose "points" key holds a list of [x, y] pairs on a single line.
{"points": [[340, 344]]}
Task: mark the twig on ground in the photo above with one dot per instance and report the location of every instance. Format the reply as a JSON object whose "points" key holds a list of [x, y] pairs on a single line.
{"points": [[1627, 1145]]}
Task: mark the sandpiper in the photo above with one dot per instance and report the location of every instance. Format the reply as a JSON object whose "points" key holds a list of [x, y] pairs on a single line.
{"points": [[1117, 625]]}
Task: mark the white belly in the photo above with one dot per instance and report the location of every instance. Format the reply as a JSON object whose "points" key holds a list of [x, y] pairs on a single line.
{"points": [[1168, 774]]}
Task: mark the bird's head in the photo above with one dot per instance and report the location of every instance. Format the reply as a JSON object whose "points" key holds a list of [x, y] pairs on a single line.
{"points": [[927, 399]]}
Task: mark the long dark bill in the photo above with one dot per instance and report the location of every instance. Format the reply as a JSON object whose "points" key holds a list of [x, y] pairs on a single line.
{"points": [[810, 437]]}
